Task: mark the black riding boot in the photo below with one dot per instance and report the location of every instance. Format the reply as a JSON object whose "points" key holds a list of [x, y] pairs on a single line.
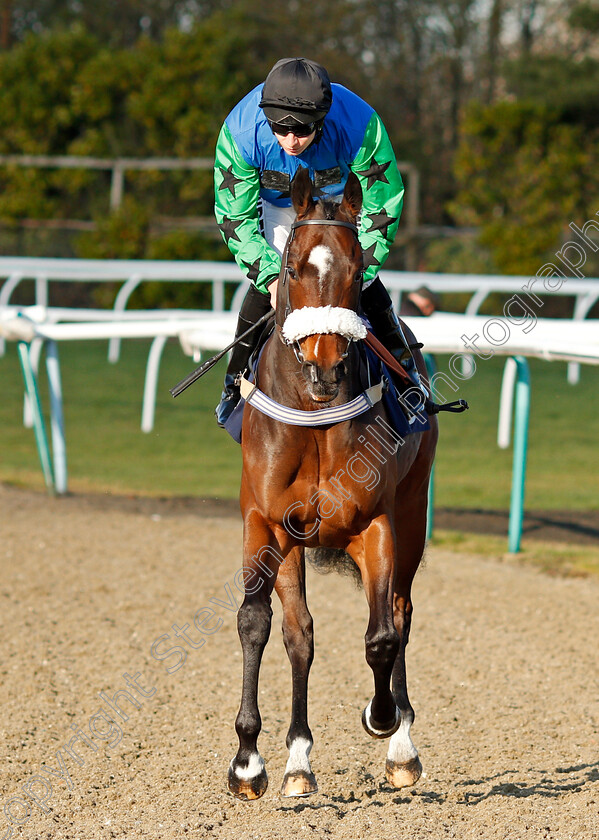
{"points": [[378, 308], [255, 305]]}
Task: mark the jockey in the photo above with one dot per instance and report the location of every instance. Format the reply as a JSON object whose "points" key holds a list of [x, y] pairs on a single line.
{"points": [[298, 118]]}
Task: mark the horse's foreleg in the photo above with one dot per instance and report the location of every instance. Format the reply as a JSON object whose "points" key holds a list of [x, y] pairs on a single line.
{"points": [[403, 767], [298, 637], [375, 558], [247, 773]]}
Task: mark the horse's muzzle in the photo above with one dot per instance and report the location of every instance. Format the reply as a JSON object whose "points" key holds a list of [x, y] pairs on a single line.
{"points": [[323, 385], [323, 364]]}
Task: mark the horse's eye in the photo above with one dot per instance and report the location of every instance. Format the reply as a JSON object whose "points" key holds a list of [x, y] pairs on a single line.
{"points": [[291, 271]]}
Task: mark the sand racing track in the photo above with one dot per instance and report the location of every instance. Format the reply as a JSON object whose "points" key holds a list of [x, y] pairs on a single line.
{"points": [[502, 668]]}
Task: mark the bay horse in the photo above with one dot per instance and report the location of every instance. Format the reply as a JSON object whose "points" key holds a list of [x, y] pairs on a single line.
{"points": [[288, 503]]}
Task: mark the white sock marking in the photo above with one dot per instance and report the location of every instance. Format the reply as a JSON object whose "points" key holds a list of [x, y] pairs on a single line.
{"points": [[401, 748], [298, 756], [254, 768]]}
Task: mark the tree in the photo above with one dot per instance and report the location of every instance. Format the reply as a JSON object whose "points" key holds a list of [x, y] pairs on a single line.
{"points": [[37, 80], [116, 23], [527, 167], [523, 175], [493, 47]]}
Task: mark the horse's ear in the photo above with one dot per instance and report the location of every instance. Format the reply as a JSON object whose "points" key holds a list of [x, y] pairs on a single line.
{"points": [[352, 197], [301, 192]]}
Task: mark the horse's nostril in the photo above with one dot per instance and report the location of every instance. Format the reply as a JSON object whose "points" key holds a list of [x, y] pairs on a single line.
{"points": [[340, 370], [311, 370]]}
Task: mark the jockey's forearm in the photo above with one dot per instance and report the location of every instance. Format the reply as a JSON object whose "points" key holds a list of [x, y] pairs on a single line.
{"points": [[236, 188], [383, 191]]}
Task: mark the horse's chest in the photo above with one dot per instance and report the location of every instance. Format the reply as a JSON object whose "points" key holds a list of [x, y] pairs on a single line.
{"points": [[320, 498]]}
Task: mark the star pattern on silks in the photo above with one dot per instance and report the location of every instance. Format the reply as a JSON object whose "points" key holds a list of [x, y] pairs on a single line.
{"points": [[381, 221], [228, 228], [375, 172], [368, 256], [253, 269], [229, 181]]}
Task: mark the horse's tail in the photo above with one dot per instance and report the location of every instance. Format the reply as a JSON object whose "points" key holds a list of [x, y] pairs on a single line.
{"points": [[327, 560]]}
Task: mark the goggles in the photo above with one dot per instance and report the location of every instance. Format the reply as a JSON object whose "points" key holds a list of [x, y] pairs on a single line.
{"points": [[300, 130]]}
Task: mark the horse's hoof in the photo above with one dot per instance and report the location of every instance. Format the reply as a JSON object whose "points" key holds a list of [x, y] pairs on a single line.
{"points": [[299, 783], [382, 730], [247, 787], [403, 775]]}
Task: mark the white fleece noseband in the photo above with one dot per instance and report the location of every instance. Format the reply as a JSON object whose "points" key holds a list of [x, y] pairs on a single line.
{"points": [[320, 320]]}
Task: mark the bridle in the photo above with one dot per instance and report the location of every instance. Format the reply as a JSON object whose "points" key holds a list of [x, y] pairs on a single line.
{"points": [[285, 273], [324, 416]]}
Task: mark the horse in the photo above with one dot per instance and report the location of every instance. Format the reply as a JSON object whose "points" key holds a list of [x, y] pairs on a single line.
{"points": [[288, 503]]}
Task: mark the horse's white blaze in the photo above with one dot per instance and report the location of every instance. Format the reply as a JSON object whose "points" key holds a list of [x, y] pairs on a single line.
{"points": [[322, 257], [298, 756], [254, 768], [401, 748]]}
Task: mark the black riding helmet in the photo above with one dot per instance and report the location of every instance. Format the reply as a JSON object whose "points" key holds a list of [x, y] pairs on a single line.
{"points": [[296, 90]]}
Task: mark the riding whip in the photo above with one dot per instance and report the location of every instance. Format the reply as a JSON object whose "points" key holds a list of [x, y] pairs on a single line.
{"points": [[205, 367]]}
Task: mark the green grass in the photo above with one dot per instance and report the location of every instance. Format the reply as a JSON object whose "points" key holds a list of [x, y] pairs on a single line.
{"points": [[556, 558], [187, 454], [562, 445]]}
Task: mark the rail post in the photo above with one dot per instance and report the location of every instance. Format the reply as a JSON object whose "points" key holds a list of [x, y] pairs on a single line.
{"points": [[516, 375], [59, 446], [41, 438]]}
